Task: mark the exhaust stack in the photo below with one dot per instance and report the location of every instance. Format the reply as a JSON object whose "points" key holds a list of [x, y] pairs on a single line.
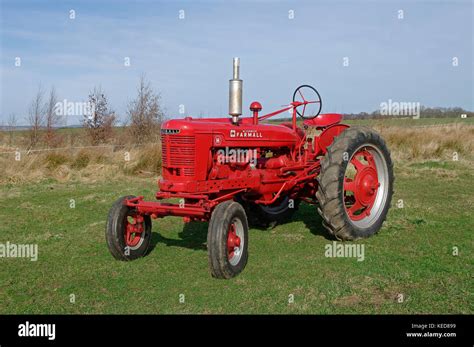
{"points": [[235, 93]]}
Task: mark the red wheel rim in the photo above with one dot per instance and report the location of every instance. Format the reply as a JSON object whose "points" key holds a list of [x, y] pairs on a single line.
{"points": [[233, 241], [360, 190], [133, 229]]}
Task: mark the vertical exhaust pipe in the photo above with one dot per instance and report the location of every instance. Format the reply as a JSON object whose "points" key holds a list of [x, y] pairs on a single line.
{"points": [[235, 93]]}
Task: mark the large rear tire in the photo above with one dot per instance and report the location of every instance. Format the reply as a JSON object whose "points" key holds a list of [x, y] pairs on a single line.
{"points": [[355, 184]]}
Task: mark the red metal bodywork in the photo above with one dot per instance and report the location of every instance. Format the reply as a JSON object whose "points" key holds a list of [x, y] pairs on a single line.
{"points": [[324, 120], [197, 166]]}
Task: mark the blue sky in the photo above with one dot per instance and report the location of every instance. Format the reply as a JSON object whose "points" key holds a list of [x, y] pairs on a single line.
{"points": [[190, 60]]}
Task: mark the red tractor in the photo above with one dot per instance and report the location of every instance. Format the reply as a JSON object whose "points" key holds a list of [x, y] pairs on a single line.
{"points": [[236, 171]]}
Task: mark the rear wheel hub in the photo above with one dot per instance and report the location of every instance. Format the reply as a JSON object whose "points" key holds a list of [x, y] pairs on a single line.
{"points": [[360, 190], [366, 186]]}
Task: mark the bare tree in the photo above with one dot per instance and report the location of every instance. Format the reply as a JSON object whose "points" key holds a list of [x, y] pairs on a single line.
{"points": [[51, 117], [11, 122], [100, 122], [36, 117], [145, 113]]}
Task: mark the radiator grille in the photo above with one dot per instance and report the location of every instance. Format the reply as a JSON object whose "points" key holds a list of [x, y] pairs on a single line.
{"points": [[178, 154]]}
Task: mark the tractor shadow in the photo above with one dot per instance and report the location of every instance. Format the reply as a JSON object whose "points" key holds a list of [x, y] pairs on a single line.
{"points": [[192, 236], [312, 220]]}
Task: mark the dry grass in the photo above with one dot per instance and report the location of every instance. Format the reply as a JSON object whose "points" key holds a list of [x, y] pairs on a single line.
{"points": [[148, 161], [439, 142], [86, 164]]}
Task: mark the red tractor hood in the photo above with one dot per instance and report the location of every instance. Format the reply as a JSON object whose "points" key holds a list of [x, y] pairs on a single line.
{"points": [[223, 133]]}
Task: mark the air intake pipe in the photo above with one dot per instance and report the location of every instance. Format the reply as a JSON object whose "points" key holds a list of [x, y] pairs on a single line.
{"points": [[235, 93]]}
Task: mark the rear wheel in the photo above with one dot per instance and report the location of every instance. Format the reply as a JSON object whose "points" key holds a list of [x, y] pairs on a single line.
{"points": [[268, 216], [128, 233], [355, 184], [227, 240]]}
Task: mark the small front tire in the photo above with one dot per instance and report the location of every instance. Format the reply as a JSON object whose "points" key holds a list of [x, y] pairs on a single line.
{"points": [[227, 240], [128, 233]]}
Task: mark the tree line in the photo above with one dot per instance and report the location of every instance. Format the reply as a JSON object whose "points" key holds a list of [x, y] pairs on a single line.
{"points": [[144, 115], [425, 112]]}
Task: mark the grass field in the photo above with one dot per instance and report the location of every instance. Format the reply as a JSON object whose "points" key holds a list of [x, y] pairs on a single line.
{"points": [[409, 267]]}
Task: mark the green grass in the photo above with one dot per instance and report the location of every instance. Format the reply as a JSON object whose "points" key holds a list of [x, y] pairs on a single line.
{"points": [[412, 255], [434, 164]]}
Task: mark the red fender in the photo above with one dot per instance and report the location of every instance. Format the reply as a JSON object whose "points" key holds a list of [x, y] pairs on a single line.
{"points": [[325, 139], [323, 120]]}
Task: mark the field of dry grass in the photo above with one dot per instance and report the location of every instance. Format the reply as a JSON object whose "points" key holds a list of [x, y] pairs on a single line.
{"points": [[89, 164], [426, 143]]}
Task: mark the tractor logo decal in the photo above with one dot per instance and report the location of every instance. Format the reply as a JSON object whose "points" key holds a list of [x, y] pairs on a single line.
{"points": [[217, 140], [245, 133]]}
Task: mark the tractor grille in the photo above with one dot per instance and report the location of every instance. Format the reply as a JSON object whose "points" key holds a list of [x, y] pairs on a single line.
{"points": [[178, 153]]}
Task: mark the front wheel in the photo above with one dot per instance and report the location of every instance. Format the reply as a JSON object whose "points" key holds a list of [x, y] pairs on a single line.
{"points": [[355, 184], [128, 233], [227, 240]]}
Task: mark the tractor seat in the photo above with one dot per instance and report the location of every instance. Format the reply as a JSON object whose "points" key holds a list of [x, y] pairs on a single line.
{"points": [[323, 120]]}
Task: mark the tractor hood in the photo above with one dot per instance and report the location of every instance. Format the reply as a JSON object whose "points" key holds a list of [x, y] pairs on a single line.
{"points": [[224, 133]]}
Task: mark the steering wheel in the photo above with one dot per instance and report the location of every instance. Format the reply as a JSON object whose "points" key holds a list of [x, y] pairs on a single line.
{"points": [[311, 103]]}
